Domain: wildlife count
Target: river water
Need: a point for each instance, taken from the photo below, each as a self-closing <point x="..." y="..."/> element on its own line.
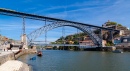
<point x="59" y="60"/>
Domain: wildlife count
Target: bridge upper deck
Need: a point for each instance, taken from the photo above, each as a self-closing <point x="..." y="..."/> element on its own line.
<point x="44" y="18"/>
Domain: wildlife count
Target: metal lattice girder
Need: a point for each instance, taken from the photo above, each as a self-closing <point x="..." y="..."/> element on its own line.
<point x="56" y="23"/>
<point x="86" y="29"/>
<point x="43" y="18"/>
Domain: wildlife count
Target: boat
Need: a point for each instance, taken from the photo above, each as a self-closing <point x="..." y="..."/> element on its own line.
<point x="117" y="51"/>
<point x="39" y="53"/>
<point x="33" y="58"/>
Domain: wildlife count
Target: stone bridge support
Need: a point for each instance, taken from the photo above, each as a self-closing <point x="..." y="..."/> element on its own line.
<point x="24" y="40"/>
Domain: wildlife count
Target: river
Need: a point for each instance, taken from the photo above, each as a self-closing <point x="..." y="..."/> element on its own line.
<point x="59" y="60"/>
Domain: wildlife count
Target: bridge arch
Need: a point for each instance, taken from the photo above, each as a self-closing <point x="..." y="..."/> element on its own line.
<point x="86" y="29"/>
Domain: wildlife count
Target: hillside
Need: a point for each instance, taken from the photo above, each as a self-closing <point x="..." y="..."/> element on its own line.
<point x="4" y="38"/>
<point x="70" y="39"/>
<point x="81" y="37"/>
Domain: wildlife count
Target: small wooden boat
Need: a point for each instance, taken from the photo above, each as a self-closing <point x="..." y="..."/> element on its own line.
<point x="33" y="58"/>
<point x="39" y="53"/>
<point x="118" y="51"/>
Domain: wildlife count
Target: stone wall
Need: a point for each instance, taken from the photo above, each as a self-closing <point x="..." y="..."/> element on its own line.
<point x="25" y="51"/>
<point x="14" y="65"/>
<point x="12" y="56"/>
<point x="107" y="49"/>
<point x="7" y="57"/>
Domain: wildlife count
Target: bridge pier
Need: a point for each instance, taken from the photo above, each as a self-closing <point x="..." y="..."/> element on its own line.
<point x="111" y="34"/>
<point x="24" y="40"/>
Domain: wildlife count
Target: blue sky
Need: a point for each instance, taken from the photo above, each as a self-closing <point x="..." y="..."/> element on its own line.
<point x="94" y="12"/>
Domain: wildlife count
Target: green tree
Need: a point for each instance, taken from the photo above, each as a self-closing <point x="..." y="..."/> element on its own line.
<point x="119" y="25"/>
<point x="109" y="43"/>
<point x="53" y="43"/>
<point x="111" y="23"/>
<point x="76" y="42"/>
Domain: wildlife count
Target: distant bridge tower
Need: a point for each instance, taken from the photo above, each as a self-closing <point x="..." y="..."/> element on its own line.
<point x="24" y="37"/>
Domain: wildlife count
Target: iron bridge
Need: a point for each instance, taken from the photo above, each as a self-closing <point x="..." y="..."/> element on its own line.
<point x="55" y="23"/>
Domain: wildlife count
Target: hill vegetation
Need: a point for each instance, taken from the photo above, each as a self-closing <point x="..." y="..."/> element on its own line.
<point x="5" y="39"/>
<point x="75" y="38"/>
<point x="70" y="39"/>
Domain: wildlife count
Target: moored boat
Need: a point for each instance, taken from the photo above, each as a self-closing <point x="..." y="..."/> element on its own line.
<point x="39" y="53"/>
<point x="33" y="58"/>
<point x="118" y="51"/>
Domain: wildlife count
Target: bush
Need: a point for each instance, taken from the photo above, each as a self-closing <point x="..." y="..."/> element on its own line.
<point x="109" y="43"/>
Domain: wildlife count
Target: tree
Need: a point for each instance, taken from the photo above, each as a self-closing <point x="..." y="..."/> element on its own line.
<point x="53" y="43"/>
<point x="109" y="43"/>
<point x="76" y="42"/>
<point x="111" y="23"/>
<point x="119" y="25"/>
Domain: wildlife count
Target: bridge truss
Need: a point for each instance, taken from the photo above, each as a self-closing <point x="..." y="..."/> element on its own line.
<point x="86" y="28"/>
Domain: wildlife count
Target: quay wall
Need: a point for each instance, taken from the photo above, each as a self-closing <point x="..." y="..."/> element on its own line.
<point x="107" y="49"/>
<point x="25" y="51"/>
<point x="7" y="57"/>
<point x="14" y="65"/>
<point x="13" y="56"/>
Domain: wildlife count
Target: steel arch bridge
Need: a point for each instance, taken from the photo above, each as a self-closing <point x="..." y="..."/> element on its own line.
<point x="55" y="23"/>
<point x="86" y="29"/>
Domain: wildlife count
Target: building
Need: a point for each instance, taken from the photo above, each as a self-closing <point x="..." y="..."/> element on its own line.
<point x="86" y="41"/>
<point x="124" y="42"/>
<point x="125" y="39"/>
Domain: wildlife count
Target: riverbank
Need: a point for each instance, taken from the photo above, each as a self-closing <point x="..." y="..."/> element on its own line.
<point x="7" y="59"/>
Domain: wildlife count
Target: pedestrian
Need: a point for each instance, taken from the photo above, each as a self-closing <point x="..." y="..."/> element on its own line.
<point x="11" y="46"/>
<point x="5" y="45"/>
<point x="21" y="46"/>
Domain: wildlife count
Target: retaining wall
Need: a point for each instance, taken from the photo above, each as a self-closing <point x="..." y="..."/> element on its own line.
<point x="13" y="56"/>
<point x="14" y="65"/>
<point x="7" y="57"/>
<point x="25" y="51"/>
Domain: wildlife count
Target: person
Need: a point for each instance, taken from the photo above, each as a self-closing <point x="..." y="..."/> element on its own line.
<point x="11" y="45"/>
<point x="31" y="47"/>
<point x="5" y="45"/>
<point x="21" y="46"/>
